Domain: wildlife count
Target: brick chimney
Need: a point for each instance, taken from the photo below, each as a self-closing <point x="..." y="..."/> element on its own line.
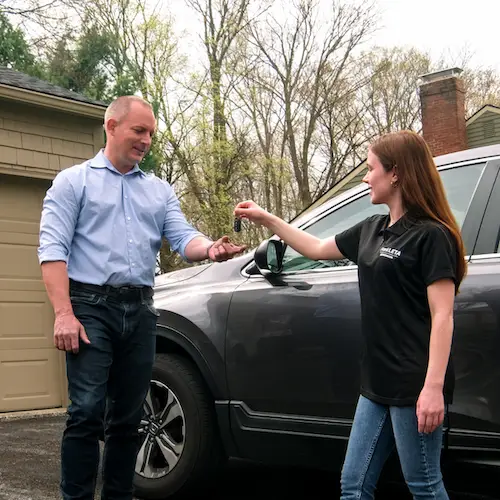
<point x="442" y="97"/>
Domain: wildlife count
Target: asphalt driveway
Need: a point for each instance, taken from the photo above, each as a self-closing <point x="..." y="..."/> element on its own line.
<point x="29" y="458"/>
<point x="29" y="470"/>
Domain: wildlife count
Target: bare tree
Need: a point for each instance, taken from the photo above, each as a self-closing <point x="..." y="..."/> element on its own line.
<point x="42" y="21"/>
<point x="225" y="150"/>
<point x="28" y="8"/>
<point x="262" y="108"/>
<point x="341" y="131"/>
<point x="482" y="86"/>
<point x="310" y="58"/>
<point x="390" y="98"/>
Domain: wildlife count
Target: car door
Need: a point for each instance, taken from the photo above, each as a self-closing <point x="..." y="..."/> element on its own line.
<point x="293" y="341"/>
<point x="474" y="416"/>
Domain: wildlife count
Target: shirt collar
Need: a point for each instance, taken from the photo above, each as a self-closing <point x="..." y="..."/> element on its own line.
<point x="101" y="161"/>
<point x="399" y="227"/>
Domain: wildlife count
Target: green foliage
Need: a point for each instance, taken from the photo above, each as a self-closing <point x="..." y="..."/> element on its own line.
<point x="152" y="161"/>
<point x="83" y="65"/>
<point x="15" y="52"/>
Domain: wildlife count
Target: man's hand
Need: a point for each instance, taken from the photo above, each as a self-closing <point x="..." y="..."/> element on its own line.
<point x="223" y="249"/>
<point x="67" y="333"/>
<point x="430" y="409"/>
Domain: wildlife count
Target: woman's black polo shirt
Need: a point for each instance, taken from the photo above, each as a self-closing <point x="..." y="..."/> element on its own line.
<point x="395" y="266"/>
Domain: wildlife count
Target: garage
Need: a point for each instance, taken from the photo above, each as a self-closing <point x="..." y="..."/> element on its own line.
<point x="43" y="129"/>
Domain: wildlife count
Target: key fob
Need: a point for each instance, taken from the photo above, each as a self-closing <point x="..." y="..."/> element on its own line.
<point x="237" y="225"/>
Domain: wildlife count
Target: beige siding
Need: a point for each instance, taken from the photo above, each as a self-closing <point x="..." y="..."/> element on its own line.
<point x="35" y="141"/>
<point x="355" y="181"/>
<point x="484" y="131"/>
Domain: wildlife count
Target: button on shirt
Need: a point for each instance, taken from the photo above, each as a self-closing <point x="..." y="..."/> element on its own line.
<point x="396" y="264"/>
<point x="108" y="226"/>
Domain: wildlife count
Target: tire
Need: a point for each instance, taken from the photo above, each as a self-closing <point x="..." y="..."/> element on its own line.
<point x="200" y="455"/>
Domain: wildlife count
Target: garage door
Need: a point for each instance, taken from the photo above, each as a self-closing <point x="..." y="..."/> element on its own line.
<point x="31" y="371"/>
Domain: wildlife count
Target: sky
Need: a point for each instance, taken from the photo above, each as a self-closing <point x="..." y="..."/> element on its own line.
<point x="442" y="27"/>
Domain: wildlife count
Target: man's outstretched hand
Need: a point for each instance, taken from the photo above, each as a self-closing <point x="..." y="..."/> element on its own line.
<point x="223" y="249"/>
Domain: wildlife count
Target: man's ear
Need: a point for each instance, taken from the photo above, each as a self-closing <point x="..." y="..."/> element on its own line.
<point x="110" y="126"/>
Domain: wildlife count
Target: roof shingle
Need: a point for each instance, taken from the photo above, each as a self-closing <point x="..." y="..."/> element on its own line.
<point x="17" y="79"/>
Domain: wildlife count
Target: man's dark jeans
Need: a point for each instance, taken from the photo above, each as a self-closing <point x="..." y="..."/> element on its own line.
<point x="108" y="381"/>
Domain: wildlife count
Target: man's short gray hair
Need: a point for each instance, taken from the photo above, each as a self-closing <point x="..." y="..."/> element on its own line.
<point x="121" y="106"/>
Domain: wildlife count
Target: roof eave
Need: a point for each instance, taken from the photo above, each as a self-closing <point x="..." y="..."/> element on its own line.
<point x="52" y="102"/>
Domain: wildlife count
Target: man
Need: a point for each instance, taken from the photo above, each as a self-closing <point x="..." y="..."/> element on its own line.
<point x="101" y="229"/>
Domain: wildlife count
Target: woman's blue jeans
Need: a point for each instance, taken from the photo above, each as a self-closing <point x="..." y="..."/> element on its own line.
<point x="376" y="430"/>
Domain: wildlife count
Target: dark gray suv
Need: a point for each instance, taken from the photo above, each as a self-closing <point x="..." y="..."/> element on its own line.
<point x="257" y="357"/>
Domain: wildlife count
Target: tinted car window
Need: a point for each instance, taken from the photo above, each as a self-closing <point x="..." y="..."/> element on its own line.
<point x="459" y="184"/>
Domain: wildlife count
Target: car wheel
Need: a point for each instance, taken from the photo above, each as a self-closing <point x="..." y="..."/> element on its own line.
<point x="180" y="444"/>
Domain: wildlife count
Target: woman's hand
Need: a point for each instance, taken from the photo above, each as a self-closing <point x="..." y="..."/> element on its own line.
<point x="251" y="211"/>
<point x="302" y="242"/>
<point x="430" y="409"/>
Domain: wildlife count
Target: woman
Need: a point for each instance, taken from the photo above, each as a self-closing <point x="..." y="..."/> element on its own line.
<point x="410" y="266"/>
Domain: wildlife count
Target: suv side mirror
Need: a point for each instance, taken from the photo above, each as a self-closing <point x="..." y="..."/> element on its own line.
<point x="269" y="257"/>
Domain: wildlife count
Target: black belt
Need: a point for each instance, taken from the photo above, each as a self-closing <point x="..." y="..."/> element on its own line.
<point x="122" y="292"/>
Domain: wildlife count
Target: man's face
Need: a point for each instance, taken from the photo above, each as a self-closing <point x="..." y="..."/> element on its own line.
<point x="130" y="136"/>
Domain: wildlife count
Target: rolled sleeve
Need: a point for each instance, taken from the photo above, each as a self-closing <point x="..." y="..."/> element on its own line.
<point x="176" y="229"/>
<point x="58" y="221"/>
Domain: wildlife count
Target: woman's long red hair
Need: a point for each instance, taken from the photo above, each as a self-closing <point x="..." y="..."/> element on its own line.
<point x="421" y="186"/>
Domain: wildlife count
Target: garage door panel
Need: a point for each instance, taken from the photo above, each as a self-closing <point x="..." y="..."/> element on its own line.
<point x="30" y="379"/>
<point x="21" y="285"/>
<point x="18" y="249"/>
<point x="26" y="320"/>
<point x="23" y="239"/>
<point x="21" y="199"/>
<point x="19" y="261"/>
<point x="16" y="226"/>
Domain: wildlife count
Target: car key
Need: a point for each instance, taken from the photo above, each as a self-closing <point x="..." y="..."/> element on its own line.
<point x="237" y="225"/>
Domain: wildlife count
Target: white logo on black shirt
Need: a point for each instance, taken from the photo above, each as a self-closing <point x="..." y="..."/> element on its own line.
<point x="390" y="253"/>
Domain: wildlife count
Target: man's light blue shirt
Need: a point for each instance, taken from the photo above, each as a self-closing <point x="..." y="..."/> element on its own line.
<point x="107" y="226"/>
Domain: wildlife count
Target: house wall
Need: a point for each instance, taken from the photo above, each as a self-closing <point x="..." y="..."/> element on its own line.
<point x="38" y="143"/>
<point x="35" y="144"/>
<point x="484" y="131"/>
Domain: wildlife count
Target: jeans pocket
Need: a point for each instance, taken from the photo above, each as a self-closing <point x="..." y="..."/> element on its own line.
<point x="150" y="306"/>
<point x="83" y="297"/>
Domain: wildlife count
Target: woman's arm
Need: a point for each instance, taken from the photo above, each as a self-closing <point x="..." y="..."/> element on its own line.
<point x="430" y="405"/>
<point x="304" y="243"/>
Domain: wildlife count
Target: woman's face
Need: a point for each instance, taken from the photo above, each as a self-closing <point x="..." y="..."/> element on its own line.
<point x="382" y="183"/>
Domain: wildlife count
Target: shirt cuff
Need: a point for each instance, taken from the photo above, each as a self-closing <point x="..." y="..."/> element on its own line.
<point x="52" y="256"/>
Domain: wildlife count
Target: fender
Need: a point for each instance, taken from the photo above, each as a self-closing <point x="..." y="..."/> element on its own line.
<point x="175" y="333"/>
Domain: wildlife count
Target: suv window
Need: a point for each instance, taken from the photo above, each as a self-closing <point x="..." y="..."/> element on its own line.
<point x="459" y="184"/>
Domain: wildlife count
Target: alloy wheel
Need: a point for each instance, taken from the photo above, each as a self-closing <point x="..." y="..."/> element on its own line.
<point x="162" y="432"/>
